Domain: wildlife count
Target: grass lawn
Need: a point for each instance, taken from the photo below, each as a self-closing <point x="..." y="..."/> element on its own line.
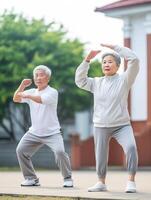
<point x="6" y="197"/>
<point x="13" y="169"/>
<point x="9" y="169"/>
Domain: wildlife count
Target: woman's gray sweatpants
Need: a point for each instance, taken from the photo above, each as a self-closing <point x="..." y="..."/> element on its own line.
<point x="124" y="136"/>
<point x="30" y="144"/>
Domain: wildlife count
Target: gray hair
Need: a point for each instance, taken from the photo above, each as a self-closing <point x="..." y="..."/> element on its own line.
<point x="44" y="68"/>
<point x="115" y="55"/>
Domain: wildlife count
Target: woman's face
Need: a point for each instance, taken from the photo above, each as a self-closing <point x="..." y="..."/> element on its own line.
<point x="109" y="66"/>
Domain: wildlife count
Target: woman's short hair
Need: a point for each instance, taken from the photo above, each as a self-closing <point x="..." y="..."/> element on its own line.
<point x="115" y="55"/>
<point x="44" y="68"/>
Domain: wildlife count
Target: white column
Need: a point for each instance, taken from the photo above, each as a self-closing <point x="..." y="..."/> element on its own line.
<point x="147" y="23"/>
<point x="127" y="28"/>
<point x="139" y="88"/>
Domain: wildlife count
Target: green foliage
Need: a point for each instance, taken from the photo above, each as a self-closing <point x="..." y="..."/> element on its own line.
<point x="25" y="44"/>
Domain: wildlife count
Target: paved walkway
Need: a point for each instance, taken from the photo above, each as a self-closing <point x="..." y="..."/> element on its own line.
<point x="51" y="185"/>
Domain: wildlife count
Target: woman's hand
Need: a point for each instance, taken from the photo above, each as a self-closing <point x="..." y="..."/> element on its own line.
<point x="91" y="55"/>
<point x="108" y="46"/>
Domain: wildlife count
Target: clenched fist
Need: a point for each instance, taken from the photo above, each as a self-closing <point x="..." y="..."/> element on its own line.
<point x="26" y="82"/>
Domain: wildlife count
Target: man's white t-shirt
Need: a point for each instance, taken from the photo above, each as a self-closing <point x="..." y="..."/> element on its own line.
<point x="44" y="119"/>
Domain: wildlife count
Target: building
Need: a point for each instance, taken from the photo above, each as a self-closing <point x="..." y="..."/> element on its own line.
<point x="136" y="15"/>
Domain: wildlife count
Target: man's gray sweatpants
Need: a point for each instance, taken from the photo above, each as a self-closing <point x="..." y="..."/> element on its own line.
<point x="124" y="136"/>
<point x="30" y="144"/>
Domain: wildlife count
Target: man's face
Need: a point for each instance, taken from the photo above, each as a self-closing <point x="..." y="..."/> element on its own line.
<point x="109" y="66"/>
<point x="41" y="79"/>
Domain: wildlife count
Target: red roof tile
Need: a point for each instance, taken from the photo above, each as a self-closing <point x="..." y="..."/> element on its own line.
<point x="122" y="4"/>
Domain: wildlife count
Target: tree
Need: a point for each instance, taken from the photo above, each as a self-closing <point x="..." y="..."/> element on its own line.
<point x="25" y="44"/>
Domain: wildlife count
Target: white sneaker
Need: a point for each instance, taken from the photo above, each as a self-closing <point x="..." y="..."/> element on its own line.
<point x="30" y="182"/>
<point x="130" y="187"/>
<point x="98" y="187"/>
<point x="68" y="183"/>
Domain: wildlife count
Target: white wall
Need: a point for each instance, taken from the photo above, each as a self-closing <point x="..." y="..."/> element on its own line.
<point x="82" y="124"/>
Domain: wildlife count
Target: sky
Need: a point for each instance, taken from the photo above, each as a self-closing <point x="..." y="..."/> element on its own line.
<point x="77" y="16"/>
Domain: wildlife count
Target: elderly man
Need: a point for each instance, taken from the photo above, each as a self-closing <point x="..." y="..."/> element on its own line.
<point x="45" y="127"/>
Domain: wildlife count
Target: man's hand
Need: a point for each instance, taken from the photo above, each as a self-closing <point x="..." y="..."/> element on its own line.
<point x="18" y="93"/>
<point x="26" y="82"/>
<point x="37" y="99"/>
<point x="91" y="55"/>
<point x="23" y="95"/>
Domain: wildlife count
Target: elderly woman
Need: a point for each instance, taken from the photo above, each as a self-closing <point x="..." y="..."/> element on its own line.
<point x="111" y="118"/>
<point x="45" y="127"/>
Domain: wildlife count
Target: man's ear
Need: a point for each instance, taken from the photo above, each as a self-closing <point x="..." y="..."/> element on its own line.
<point x="49" y="79"/>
